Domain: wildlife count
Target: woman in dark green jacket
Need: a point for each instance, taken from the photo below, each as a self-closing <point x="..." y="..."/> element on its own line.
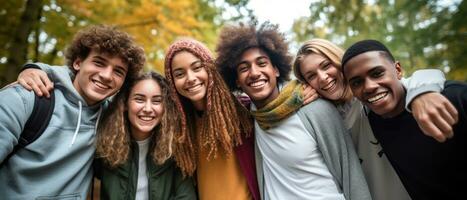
<point x="134" y="145"/>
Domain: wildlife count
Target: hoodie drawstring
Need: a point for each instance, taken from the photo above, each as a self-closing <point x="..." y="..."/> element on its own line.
<point x="98" y="119"/>
<point x="77" y="124"/>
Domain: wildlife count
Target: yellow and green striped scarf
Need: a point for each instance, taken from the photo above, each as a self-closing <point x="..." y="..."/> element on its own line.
<point x="288" y="101"/>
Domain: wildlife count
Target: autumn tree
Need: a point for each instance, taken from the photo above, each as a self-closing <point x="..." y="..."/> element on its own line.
<point x="421" y="34"/>
<point x="154" y="24"/>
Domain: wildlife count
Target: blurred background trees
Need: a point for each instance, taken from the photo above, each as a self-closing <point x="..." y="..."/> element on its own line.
<point x="422" y="33"/>
<point x="39" y="30"/>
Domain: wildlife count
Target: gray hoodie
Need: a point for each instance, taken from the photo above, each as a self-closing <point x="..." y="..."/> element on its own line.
<point x="58" y="165"/>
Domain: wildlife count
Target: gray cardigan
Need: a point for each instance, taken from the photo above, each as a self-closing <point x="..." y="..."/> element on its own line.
<point x="325" y="124"/>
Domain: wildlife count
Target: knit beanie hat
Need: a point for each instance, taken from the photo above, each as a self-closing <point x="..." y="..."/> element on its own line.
<point x="196" y="48"/>
<point x="362" y="47"/>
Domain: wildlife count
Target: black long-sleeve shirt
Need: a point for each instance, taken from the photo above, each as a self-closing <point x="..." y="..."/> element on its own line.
<point x="427" y="168"/>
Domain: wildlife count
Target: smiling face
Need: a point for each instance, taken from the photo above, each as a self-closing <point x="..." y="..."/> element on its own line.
<point x="145" y="108"/>
<point x="257" y="77"/>
<point x="375" y="80"/>
<point x="99" y="76"/>
<point x="190" y="78"/>
<point x="320" y="73"/>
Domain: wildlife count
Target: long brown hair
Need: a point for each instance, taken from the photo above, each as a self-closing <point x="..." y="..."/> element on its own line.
<point x="113" y="133"/>
<point x="329" y="51"/>
<point x="223" y="121"/>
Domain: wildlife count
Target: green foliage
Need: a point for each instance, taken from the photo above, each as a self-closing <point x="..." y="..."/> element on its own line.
<point x="421" y="34"/>
<point x="155" y="24"/>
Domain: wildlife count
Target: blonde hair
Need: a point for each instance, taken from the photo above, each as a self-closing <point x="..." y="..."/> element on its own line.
<point x="328" y="50"/>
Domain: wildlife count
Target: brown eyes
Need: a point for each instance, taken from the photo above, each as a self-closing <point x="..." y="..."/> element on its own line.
<point x="243" y="67"/>
<point x="179" y="73"/>
<point x="155" y="101"/>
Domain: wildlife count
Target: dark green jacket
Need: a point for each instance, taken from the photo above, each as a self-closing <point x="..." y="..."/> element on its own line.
<point x="164" y="181"/>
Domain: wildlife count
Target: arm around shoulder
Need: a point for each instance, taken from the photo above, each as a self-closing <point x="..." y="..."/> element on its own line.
<point x="423" y="81"/>
<point x="53" y="72"/>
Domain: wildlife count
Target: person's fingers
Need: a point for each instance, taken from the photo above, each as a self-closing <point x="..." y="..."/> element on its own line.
<point x="443" y="126"/>
<point x="448" y="120"/>
<point x="36" y="89"/>
<point x="311" y="98"/>
<point x="41" y="85"/>
<point x="48" y="84"/>
<point x="432" y="131"/>
<point x="23" y="83"/>
<point x="444" y="114"/>
<point x="452" y="111"/>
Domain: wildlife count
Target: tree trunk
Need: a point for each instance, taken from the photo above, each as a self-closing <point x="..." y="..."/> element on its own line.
<point x="37" y="41"/>
<point x="19" y="47"/>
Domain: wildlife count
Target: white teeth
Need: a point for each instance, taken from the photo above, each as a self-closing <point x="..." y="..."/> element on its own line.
<point x="257" y="83"/>
<point x="329" y="85"/>
<point x="194" y="88"/>
<point x="377" y="97"/>
<point x="145" y="118"/>
<point x="100" y="85"/>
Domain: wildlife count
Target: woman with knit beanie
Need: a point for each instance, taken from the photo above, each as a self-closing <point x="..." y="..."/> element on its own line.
<point x="318" y="63"/>
<point x="213" y="133"/>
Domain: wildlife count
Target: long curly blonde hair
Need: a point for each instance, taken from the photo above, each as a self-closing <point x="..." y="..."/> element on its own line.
<point x="113" y="132"/>
<point x="222" y="123"/>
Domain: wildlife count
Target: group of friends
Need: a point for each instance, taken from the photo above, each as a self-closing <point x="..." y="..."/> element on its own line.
<point x="234" y="126"/>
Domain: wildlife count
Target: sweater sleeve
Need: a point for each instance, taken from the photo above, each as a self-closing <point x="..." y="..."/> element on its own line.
<point x="423" y="81"/>
<point x="334" y="142"/>
<point x="15" y="107"/>
<point x="55" y="73"/>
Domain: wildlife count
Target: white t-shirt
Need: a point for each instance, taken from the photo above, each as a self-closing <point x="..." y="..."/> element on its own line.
<point x="293" y="166"/>
<point x="142" y="192"/>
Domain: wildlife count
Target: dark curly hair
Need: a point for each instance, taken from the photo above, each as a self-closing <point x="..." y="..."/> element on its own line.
<point x="109" y="40"/>
<point x="235" y="40"/>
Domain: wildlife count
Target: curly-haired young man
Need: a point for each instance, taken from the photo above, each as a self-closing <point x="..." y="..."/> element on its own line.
<point x="302" y="152"/>
<point x="101" y="59"/>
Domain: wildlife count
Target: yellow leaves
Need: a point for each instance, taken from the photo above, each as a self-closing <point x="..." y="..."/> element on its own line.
<point x="154" y="24"/>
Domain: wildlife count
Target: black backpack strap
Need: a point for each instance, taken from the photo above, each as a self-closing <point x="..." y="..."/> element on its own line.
<point x="37" y="122"/>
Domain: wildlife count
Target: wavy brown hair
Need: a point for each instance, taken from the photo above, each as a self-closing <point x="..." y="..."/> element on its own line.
<point x="222" y="123"/>
<point x="108" y="40"/>
<point x="234" y="40"/>
<point x="329" y="51"/>
<point x="113" y="133"/>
